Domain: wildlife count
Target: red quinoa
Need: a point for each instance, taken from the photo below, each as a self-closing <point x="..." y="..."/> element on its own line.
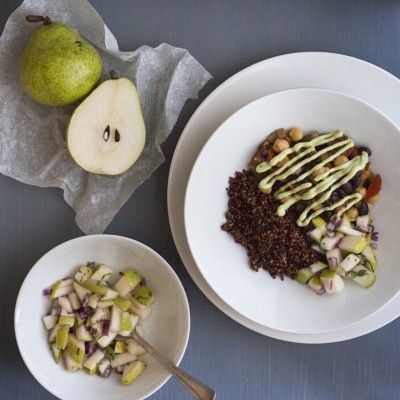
<point x="273" y="243"/>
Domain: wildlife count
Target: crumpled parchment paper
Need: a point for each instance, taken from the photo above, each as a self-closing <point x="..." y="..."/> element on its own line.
<point x="32" y="136"/>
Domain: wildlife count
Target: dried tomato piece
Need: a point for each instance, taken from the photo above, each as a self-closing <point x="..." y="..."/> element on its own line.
<point x="374" y="188"/>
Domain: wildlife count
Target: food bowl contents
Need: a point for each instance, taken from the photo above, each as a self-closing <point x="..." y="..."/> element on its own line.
<point x="319" y="190"/>
<point x="106" y="133"/>
<point x="58" y="67"/>
<point x="89" y="315"/>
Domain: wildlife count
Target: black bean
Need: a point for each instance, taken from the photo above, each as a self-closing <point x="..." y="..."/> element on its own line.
<point x="347" y="188"/>
<point x="366" y="149"/>
<point x="335" y="197"/>
<point x="341" y="193"/>
<point x="327" y="215"/>
<point x="356" y="181"/>
<point x="363" y="208"/>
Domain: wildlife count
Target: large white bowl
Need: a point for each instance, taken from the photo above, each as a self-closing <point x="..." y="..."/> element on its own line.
<point x="288" y="306"/>
<point x="167" y="328"/>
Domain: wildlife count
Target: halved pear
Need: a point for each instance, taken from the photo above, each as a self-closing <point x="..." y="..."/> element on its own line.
<point x="106" y="133"/>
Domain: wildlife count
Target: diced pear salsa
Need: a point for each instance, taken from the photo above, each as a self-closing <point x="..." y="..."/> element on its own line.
<point x="329" y="181"/>
<point x="90" y="321"/>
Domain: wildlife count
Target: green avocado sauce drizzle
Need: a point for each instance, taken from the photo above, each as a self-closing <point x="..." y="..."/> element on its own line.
<point x="325" y="183"/>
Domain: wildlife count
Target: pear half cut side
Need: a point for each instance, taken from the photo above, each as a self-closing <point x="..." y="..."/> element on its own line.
<point x="107" y="133"/>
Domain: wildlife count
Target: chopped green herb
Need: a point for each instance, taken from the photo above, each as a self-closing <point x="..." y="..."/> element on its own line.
<point x="110" y="354"/>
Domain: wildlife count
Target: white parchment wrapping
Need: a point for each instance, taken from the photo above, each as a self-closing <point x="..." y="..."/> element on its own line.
<point x="32" y="136"/>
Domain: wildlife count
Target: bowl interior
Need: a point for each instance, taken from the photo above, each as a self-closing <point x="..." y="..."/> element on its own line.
<point x="167" y="328"/>
<point x="288" y="306"/>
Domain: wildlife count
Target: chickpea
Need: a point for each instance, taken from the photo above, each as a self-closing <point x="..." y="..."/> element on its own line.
<point x="367" y="175"/>
<point x="362" y="190"/>
<point x="285" y="199"/>
<point x="374" y="199"/>
<point x="296" y="134"/>
<point x="317" y="207"/>
<point x="280" y="145"/>
<point x="352" y="213"/>
<point x="339" y="160"/>
<point x="265" y="190"/>
<point x="283" y="162"/>
<point x="311" y="136"/>
<point x="320" y="171"/>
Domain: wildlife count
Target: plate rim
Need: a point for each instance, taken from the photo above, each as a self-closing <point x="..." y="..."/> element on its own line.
<point x="385" y="78"/>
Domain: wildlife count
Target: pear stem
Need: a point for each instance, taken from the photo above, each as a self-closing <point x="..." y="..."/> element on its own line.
<point x="38" y="18"/>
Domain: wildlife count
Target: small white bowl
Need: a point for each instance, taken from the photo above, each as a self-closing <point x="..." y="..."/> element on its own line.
<point x="167" y="328"/>
<point x="289" y="306"/>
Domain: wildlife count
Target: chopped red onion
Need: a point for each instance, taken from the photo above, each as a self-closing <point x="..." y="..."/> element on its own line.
<point x="361" y="229"/>
<point x="330" y="234"/>
<point x="105" y="327"/>
<point x="47" y="291"/>
<point x="330" y="283"/>
<point x="83" y="312"/>
<point x="338" y="223"/>
<point x="334" y="262"/>
<point x="370" y="228"/>
<point x="55" y="311"/>
<point x="374" y="245"/>
<point x="107" y="372"/>
<point x="374" y="237"/>
<point x="318" y="249"/>
<point x="91" y="347"/>
<point x="91" y="264"/>
<point x="330" y="226"/>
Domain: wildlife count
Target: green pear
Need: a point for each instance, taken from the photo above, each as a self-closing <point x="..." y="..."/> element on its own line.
<point x="106" y="133"/>
<point x="58" y="66"/>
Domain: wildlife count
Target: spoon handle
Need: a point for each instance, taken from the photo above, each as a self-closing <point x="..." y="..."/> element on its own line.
<point x="197" y="389"/>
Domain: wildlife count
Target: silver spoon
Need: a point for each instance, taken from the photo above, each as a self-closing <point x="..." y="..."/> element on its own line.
<point x="197" y="389"/>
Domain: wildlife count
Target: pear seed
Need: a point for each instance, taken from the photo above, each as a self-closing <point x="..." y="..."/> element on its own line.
<point x="106" y="134"/>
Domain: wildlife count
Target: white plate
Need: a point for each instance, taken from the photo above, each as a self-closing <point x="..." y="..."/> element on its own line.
<point x="167" y="328"/>
<point x="323" y="70"/>
<point x="288" y="306"/>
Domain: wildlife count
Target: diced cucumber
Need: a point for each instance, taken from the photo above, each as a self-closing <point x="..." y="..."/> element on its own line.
<point x="334" y="258"/>
<point x="328" y="243"/>
<point x="122" y="359"/>
<point x="362" y="276"/>
<point x="144" y="295"/>
<point x="318" y="266"/>
<point x="102" y="273"/>
<point x="105" y="340"/>
<point x="50" y="321"/>
<point x="316" y="235"/>
<point x="304" y="275"/>
<point x="75" y="348"/>
<point x="346" y="230"/>
<point x="83" y="274"/>
<point x="369" y="255"/>
<point x="332" y="281"/>
<point x="94" y="359"/>
<point x="132" y="371"/>
<point x="350" y="262"/>
<point x="70" y="364"/>
<point x="127" y="282"/>
<point x="353" y="244"/>
<point x="315" y="284"/>
<point x="83" y="334"/>
<point x="62" y="337"/>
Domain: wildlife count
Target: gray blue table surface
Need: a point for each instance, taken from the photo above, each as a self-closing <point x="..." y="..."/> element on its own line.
<point x="225" y="36"/>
